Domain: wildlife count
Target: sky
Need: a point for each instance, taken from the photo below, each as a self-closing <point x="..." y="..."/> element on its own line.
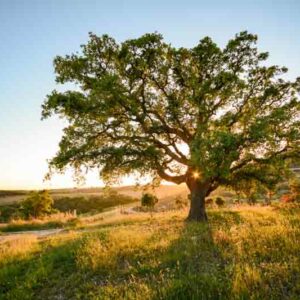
<point x="33" y="32"/>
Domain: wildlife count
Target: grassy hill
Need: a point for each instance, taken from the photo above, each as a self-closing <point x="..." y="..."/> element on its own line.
<point x="163" y="191"/>
<point x="91" y="200"/>
<point x="243" y="253"/>
<point x="95" y="200"/>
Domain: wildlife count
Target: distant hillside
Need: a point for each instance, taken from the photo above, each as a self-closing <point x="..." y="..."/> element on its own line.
<point x="4" y="193"/>
<point x="162" y="192"/>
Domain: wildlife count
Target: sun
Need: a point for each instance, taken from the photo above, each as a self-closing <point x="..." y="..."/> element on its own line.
<point x="196" y="174"/>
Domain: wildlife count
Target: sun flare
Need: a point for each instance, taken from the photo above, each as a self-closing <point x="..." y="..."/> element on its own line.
<point x="196" y="175"/>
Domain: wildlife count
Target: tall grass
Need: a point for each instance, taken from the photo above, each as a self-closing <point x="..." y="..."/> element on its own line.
<point x="58" y="220"/>
<point x="243" y="253"/>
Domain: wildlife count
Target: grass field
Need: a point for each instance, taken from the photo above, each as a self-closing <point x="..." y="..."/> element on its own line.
<point x="58" y="220"/>
<point x="163" y="191"/>
<point x="86" y="200"/>
<point x="243" y="253"/>
<point x="91" y="201"/>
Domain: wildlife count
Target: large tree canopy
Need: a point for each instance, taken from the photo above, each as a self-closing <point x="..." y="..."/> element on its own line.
<point x="205" y="116"/>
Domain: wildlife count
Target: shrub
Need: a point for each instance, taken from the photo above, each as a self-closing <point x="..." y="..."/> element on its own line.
<point x="8" y="212"/>
<point x="294" y="186"/>
<point x="37" y="204"/>
<point x="287" y="198"/>
<point x="219" y="201"/>
<point x="180" y="202"/>
<point x="237" y="201"/>
<point x="252" y="198"/>
<point x="209" y="201"/>
<point x="149" y="200"/>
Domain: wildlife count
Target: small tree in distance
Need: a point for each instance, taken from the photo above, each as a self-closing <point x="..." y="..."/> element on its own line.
<point x="205" y="116"/>
<point x="148" y="200"/>
<point x="37" y="204"/>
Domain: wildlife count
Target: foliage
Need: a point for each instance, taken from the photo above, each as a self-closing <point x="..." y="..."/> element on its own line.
<point x="37" y="204"/>
<point x="269" y="194"/>
<point x="143" y="92"/>
<point x="206" y="116"/>
<point x="294" y="195"/>
<point x="148" y="200"/>
<point x="209" y="201"/>
<point x="220" y="201"/>
<point x="82" y="204"/>
<point x="252" y="199"/>
<point x="287" y="198"/>
<point x="251" y="189"/>
<point x="92" y="203"/>
<point x="294" y="186"/>
<point x="181" y="202"/>
<point x="8" y="212"/>
<point x="247" y="253"/>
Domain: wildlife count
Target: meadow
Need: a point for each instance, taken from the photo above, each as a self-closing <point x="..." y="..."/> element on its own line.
<point x="244" y="252"/>
<point x="10" y="197"/>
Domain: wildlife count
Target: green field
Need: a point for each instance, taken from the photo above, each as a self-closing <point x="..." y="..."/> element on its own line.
<point x="243" y="253"/>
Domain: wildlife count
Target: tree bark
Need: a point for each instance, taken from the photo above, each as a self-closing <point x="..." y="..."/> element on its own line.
<point x="199" y="191"/>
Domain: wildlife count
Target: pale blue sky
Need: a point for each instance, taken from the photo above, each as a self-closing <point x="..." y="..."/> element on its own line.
<point x="32" y="32"/>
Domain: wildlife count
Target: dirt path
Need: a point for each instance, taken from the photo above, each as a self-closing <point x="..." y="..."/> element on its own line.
<point x="8" y="236"/>
<point x="38" y="233"/>
<point x="124" y="209"/>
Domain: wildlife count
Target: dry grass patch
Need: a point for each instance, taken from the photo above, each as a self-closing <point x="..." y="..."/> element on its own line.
<point x="243" y="253"/>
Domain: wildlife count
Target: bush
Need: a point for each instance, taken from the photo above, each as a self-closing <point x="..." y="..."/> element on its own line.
<point x="209" y="201"/>
<point x="252" y="198"/>
<point x="287" y="198"/>
<point x="180" y="202"/>
<point x="219" y="201"/>
<point x="149" y="200"/>
<point x="8" y="212"/>
<point x="37" y="204"/>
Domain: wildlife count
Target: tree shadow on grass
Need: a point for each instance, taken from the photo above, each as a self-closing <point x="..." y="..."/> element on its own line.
<point x="198" y="267"/>
<point x="198" y="262"/>
<point x="40" y="274"/>
<point x="192" y="266"/>
<point x="224" y="218"/>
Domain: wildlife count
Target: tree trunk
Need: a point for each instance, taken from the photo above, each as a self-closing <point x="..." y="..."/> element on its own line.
<point x="197" y="209"/>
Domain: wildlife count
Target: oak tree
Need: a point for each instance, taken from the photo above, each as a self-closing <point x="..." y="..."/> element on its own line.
<point x="205" y="116"/>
